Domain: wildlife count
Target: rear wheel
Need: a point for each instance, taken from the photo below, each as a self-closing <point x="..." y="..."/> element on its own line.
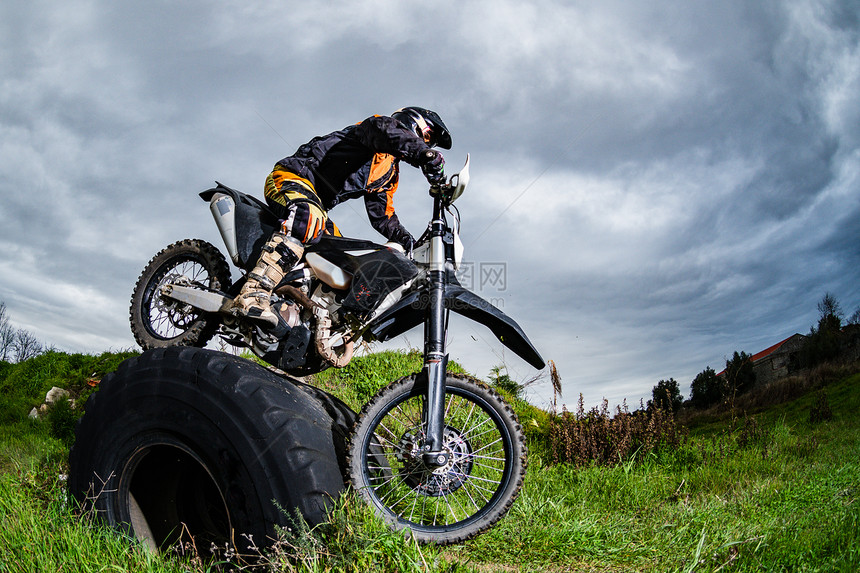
<point x="486" y="460"/>
<point x="157" y="321"/>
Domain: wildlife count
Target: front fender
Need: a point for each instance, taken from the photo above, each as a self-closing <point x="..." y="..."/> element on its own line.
<point x="408" y="313"/>
<point x="509" y="333"/>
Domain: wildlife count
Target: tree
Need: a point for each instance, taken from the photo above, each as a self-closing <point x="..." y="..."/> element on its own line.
<point x="16" y="345"/>
<point x="740" y="376"/>
<point x="7" y="335"/>
<point x="830" y="314"/>
<point x="824" y="340"/>
<point x="666" y="395"/>
<point x="26" y="346"/>
<point x="855" y="318"/>
<point x="706" y="389"/>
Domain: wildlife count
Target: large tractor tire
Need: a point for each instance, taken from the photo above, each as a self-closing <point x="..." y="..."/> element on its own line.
<point x="188" y="444"/>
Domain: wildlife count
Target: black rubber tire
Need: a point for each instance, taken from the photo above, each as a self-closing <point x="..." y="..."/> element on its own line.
<point x="385" y="474"/>
<point x="159" y="323"/>
<point x="205" y="445"/>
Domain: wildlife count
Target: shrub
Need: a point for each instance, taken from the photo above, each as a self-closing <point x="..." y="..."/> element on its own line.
<point x="584" y="437"/>
<point x="33" y="377"/>
<point x="500" y="380"/>
<point x="62" y="418"/>
<point x="820" y="410"/>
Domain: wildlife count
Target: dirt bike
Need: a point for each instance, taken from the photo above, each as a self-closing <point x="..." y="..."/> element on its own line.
<point x="437" y="453"/>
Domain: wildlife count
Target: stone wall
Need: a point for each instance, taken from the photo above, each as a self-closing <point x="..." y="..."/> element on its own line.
<point x="780" y="363"/>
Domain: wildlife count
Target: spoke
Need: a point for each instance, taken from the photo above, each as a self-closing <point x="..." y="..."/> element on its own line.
<point x="390" y="493"/>
<point x="410" y="419"/>
<point x="376" y="477"/>
<point x="485" y="493"/>
<point x="451" y="402"/>
<point x="163" y="323"/>
<point x="466" y="513"/>
<point x="412" y="510"/>
<point x="385" y="480"/>
<point x="447" y="504"/>
<point x="380" y="437"/>
<point x="495" y="459"/>
<point x="465" y="489"/>
<point x="494" y="469"/>
<point x="479" y="487"/>
<point x="468" y="431"/>
<point x="470" y="478"/>
<point x="482" y="500"/>
<point x="436" y="505"/>
<point x="469" y="417"/>
<point x="423" y="507"/>
<point x="404" y="496"/>
<point x="482" y="448"/>
<point x="476" y="437"/>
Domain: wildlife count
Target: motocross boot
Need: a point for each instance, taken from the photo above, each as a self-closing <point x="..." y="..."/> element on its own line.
<point x="279" y="255"/>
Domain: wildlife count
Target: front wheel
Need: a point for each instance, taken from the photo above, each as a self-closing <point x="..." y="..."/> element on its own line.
<point x="157" y="321"/>
<point x="486" y="454"/>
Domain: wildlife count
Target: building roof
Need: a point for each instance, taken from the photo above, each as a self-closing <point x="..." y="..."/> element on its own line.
<point x="767" y="351"/>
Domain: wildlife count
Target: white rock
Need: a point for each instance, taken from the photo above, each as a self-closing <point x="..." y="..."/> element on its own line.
<point x="55" y="394"/>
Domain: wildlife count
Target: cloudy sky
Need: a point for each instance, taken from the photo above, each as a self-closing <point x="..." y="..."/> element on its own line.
<point x="664" y="182"/>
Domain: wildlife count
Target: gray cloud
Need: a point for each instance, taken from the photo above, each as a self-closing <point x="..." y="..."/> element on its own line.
<point x="666" y="182"/>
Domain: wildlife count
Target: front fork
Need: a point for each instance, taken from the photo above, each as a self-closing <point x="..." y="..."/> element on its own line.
<point x="435" y="358"/>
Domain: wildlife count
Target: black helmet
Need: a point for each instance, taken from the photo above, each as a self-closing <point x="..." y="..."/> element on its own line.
<point x="425" y="124"/>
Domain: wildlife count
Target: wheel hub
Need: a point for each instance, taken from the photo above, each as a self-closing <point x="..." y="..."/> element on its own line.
<point x="435" y="480"/>
<point x="178" y="313"/>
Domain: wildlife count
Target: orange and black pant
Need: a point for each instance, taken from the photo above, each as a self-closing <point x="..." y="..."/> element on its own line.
<point x="295" y="202"/>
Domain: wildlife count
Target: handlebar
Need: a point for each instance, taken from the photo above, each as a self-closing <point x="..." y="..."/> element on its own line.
<point x="454" y="187"/>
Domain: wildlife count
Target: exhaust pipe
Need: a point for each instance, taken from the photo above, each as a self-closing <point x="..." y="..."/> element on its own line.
<point x="224" y="211"/>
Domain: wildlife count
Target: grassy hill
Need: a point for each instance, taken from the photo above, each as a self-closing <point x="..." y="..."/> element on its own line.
<point x="775" y="489"/>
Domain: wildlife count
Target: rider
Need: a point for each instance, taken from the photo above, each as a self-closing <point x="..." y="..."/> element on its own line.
<point x="361" y="160"/>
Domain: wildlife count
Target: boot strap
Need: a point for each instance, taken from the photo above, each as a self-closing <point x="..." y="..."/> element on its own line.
<point x="262" y="280"/>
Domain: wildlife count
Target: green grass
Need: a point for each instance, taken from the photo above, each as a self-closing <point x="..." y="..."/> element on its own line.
<point x="785" y="501"/>
<point x="366" y="375"/>
<point x="39" y="532"/>
<point x="771" y="492"/>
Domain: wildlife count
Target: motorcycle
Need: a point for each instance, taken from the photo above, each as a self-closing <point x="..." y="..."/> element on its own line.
<point x="440" y="454"/>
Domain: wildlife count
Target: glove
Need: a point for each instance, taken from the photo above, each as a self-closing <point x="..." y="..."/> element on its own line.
<point x="405" y="238"/>
<point x="433" y="166"/>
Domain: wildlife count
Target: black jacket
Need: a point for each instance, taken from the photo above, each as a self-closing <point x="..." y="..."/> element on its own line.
<point x="360" y="160"/>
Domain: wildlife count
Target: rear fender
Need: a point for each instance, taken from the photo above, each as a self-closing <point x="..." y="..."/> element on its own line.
<point x="254" y="223"/>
